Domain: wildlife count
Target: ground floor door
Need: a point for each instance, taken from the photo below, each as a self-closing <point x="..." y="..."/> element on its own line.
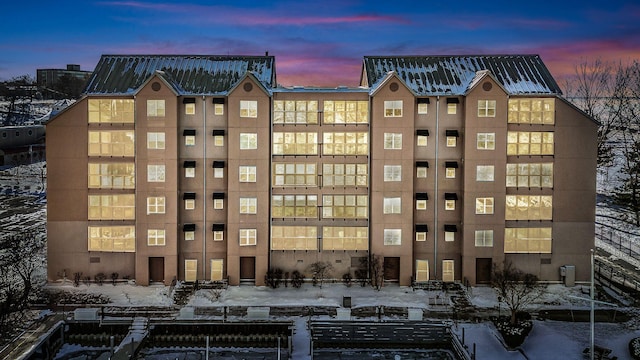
<point x="391" y="268"/>
<point x="156" y="269"/>
<point x="483" y="270"/>
<point x="422" y="270"/>
<point x="247" y="269"/>
<point x="447" y="271"/>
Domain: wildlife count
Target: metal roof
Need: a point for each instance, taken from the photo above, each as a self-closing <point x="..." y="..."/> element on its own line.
<point x="452" y="75"/>
<point x="188" y="74"/>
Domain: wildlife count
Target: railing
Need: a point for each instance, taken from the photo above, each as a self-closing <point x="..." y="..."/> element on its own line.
<point x="625" y="242"/>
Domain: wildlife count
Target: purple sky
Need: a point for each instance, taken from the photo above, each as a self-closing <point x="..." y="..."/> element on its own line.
<point x="318" y="43"/>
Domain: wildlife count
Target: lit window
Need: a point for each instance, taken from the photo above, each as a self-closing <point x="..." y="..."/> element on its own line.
<point x="393" y="108"/>
<point x="529" y="207"/>
<point x="189" y="201"/>
<point x="484" y="238"/>
<point x="156" y="237"/>
<point x="346" y="112"/>
<point x="484" y="205"/>
<point x="345" y="238"/>
<point x="421" y="201"/>
<point x="295" y="143"/>
<point x="423" y="105"/>
<point x="392" y="236"/>
<point x="156" y="205"/>
<point x="421" y="169"/>
<point x="344" y="174"/>
<point x="190" y="270"/>
<point x="485" y="172"/>
<point x="247" y="173"/>
<point x="155" y="173"/>
<point x="218" y="106"/>
<point x="218" y="137"/>
<point x="486" y="141"/>
<point x="532" y="111"/>
<point x="111" y="176"/>
<point x="345" y="143"/>
<point x="218" y="232"/>
<point x="218" y="169"/>
<point x="218" y="201"/>
<point x="112" y="238"/>
<point x="111" y="111"/>
<point x="190" y="109"/>
<point x="248" y="108"/>
<point x="393" y="173"/>
<point x="448" y="270"/>
<point x="449" y="236"/>
<point x="452" y="137"/>
<point x="189" y="137"/>
<point x="248" y="237"/>
<point x="217" y="269"/>
<point x="294" y="238"/>
<point x="190" y="169"/>
<point x="392" y="205"/>
<point x="248" y="141"/>
<point x="450" y="201"/>
<point x="294" y="206"/>
<point x="112" y="143"/>
<point x="392" y="141"/>
<point x="530" y="175"/>
<point x="452" y="108"/>
<point x="450" y="169"/>
<point x="189" y="232"/>
<point x="421" y="232"/>
<point x="112" y="207"/>
<point x="295" y="112"/>
<point x="529" y="143"/>
<point x="155" y="108"/>
<point x="155" y="140"/>
<point x="248" y="205"/>
<point x="294" y="174"/>
<point x="422" y="137"/>
<point x="345" y="206"/>
<point x="422" y="270"/>
<point x="527" y="240"/>
<point x="486" y="108"/>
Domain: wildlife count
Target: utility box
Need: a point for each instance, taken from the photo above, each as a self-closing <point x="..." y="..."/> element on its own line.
<point x="568" y="275"/>
<point x="346" y="301"/>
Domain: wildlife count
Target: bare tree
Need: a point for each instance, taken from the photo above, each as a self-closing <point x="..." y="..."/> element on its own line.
<point x="377" y="271"/>
<point x="321" y="270"/>
<point x="515" y="288"/>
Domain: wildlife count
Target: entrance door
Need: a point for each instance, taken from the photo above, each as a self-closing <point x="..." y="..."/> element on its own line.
<point x="483" y="271"/>
<point x="392" y="269"/>
<point x="156" y="269"/>
<point x="247" y="269"/>
<point x="447" y="271"/>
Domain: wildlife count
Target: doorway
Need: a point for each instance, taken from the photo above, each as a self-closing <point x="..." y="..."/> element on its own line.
<point x="483" y="270"/>
<point x="247" y="270"/>
<point x="156" y="269"/>
<point x="392" y="269"/>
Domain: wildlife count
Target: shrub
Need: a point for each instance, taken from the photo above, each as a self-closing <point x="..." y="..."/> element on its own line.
<point x="273" y="277"/>
<point x="347" y="279"/>
<point x="100" y="278"/>
<point x="514" y="334"/>
<point x="297" y="279"/>
<point x="634" y="348"/>
<point x="114" y="277"/>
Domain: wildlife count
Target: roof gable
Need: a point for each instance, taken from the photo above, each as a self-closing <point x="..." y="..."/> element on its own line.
<point x="188" y="74"/>
<point x="452" y="75"/>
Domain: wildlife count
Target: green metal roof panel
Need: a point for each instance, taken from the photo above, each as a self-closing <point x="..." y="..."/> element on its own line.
<point x="452" y="75"/>
<point x="188" y="74"/>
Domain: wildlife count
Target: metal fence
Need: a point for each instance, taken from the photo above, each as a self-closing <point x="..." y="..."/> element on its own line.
<point x="625" y="242"/>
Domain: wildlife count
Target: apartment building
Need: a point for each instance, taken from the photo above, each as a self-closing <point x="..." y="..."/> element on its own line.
<point x="202" y="168"/>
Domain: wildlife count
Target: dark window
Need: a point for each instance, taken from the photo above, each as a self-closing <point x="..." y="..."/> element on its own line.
<point x="189" y="132"/>
<point x="421" y="228"/>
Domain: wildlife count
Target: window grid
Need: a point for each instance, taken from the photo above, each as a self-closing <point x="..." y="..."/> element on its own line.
<point x="346" y="112"/>
<point x="155" y="108"/>
<point x="345" y="143"/>
<point x="393" y="173"/>
<point x="111" y="143"/>
<point x="392" y="237"/>
<point x="156" y="205"/>
<point x="217" y="269"/>
<point x="155" y="140"/>
<point x="294" y="206"/>
<point x="190" y="109"/>
<point x="112" y="207"/>
<point x="248" y="141"/>
<point x="528" y="240"/>
<point x="248" y="108"/>
<point x="530" y="175"/>
<point x="345" y="238"/>
<point x="392" y="205"/>
<point x="485" y="172"/>
<point x="156" y="237"/>
<point x="111" y="176"/>
<point x="392" y="141"/>
<point x="248" y="205"/>
<point x="530" y="143"/>
<point x="294" y="174"/>
<point x="345" y="206"/>
<point x="528" y="207"/>
<point x="247" y="173"/>
<point x="112" y="238"/>
<point x="486" y="141"/>
<point x="393" y="108"/>
<point x="295" y="112"/>
<point x="248" y="237"/>
<point x="111" y="111"/>
<point x="532" y="111"/>
<point x="155" y="173"/>
<point x="486" y="108"/>
<point x="294" y="238"/>
<point x="295" y="143"/>
<point x="484" y="205"/>
<point x="344" y="174"/>
<point x="484" y="238"/>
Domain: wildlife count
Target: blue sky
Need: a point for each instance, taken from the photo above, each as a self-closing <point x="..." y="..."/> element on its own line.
<point x="315" y="42"/>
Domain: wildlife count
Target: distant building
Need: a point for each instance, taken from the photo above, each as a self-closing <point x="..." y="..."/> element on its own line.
<point x="21" y="145"/>
<point x="202" y="168"/>
<point x="49" y="77"/>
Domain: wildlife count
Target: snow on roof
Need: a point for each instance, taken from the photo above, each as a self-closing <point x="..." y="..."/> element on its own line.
<point x="188" y="74"/>
<point x="452" y="75"/>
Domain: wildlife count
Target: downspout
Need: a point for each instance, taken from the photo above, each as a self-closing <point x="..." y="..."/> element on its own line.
<point x="435" y="195"/>
<point x="204" y="188"/>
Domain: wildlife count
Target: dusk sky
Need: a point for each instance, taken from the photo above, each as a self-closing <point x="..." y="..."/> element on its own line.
<point x="319" y="43"/>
